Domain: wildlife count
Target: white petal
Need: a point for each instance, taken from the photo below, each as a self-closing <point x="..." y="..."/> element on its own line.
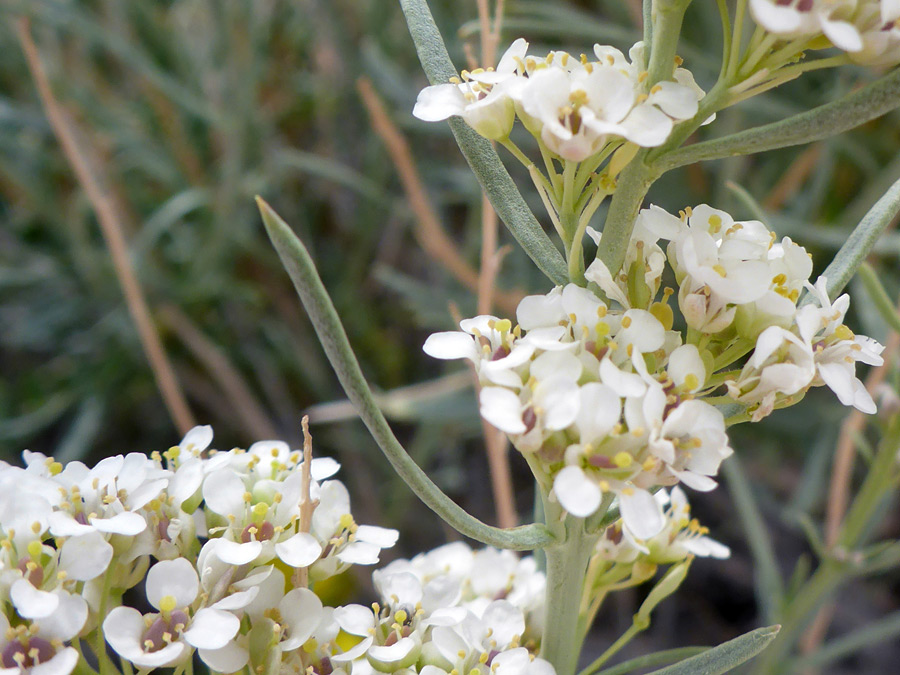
<point x="127" y="523"/>
<point x="64" y="525"/>
<point x="359" y="553"/>
<point x="598" y="412"/>
<point x="438" y="102"/>
<point x="501" y="408"/>
<point x="647" y="126"/>
<point x="536" y="311"/>
<point x="505" y="621"/>
<point x="576" y="493"/>
<point x="197" y="439"/>
<point x="624" y="384"/>
<point x="844" y="35"/>
<point x="62" y="663"/>
<point x="641" y="513"/>
<point x="85" y="557"/>
<point x="238" y="554"/>
<point x="68" y="620"/>
<point x="212" y="628"/>
<point x="301" y="611"/>
<point x="229" y="659"/>
<point x="301" y="550"/>
<point x="382" y="537"/>
<point x="450" y="345"/>
<point x="31" y="603"/>
<point x="323" y="467"/>
<point x="223" y="491"/>
<point x="355" y="619"/>
<point x="707" y="548"/>
<point x="172" y="577"/>
<point x="684" y="361"/>
<point x="558" y="398"/>
<point x="675" y="100"/>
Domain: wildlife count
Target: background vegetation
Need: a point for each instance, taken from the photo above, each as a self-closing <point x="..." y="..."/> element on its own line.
<point x="183" y="110"/>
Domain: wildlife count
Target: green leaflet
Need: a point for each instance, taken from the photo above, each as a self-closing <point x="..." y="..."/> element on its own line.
<point x="320" y="309"/>
<point x="480" y="154"/>
<point x="854" y="109"/>
<point x="858" y="245"/>
<point x="726" y="656"/>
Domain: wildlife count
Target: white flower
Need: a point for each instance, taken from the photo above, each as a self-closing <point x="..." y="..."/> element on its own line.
<point x="797" y="18"/>
<point x="38" y="649"/>
<point x="483" y="99"/>
<point x="166" y="638"/>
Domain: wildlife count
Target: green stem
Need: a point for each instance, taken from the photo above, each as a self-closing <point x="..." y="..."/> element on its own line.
<point x="666" y="32"/>
<point x="879" y="296"/>
<point x="576" y="258"/>
<point x="754" y="57"/>
<point x="327" y="323"/>
<point x="631" y="188"/>
<point x="737" y="39"/>
<point x="732" y="353"/>
<point x="726" y="35"/>
<point x="567" y="563"/>
<point x="611" y="651"/>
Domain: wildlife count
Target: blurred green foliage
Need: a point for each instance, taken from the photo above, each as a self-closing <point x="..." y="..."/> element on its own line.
<point x="192" y="107"/>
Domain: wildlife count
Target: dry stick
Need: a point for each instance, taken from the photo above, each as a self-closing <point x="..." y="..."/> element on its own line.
<point x="793" y="178"/>
<point x="839" y="489"/>
<point x="494" y="440"/>
<point x="636" y="11"/>
<point x="307" y="505"/>
<point x="112" y="234"/>
<point x="428" y="231"/>
<point x="242" y="401"/>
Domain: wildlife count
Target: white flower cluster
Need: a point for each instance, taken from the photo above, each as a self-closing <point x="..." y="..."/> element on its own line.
<point x="605" y="397"/>
<point x="681" y="536"/>
<point x="574" y="106"/>
<point x="868" y="30"/>
<point x="450" y="610"/>
<point x="74" y="539"/>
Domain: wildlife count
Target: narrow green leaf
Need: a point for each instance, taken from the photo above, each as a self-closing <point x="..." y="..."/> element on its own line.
<point x="726" y="656"/>
<point x="770" y="585"/>
<point x="480" y="154"/>
<point x="879" y="296"/>
<point x="325" y="320"/>
<point x="652" y="660"/>
<point x="858" y="245"/>
<point x="884" y="629"/>
<point x="852" y="110"/>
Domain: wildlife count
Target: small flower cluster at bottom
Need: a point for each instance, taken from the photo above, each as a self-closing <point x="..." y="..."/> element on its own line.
<point x="233" y="548"/>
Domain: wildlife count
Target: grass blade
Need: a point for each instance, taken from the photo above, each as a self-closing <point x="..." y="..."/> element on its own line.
<point x="302" y="270"/>
<point x="726" y="656"/>
<point x="480" y="154"/>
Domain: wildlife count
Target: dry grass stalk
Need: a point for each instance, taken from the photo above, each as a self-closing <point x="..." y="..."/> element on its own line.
<point x="794" y="177"/>
<point x="428" y="231"/>
<point x="839" y="488"/>
<point x="241" y="399"/>
<point x="111" y="227"/>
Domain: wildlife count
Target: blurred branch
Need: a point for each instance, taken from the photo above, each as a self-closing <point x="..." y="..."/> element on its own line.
<point x="429" y="232"/>
<point x="495" y="441"/>
<point x="793" y="178"/>
<point x="65" y="132"/>
<point x="244" y="404"/>
<point x="839" y="489"/>
<point x="830" y="119"/>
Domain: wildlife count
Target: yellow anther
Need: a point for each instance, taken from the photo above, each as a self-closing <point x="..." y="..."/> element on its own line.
<point x="691" y="381"/>
<point x="655" y="89"/>
<point x="626" y="321"/>
<point x="779" y="279"/>
<point x="715" y="223"/>
<point x="623" y="460"/>
<point x="721" y="271"/>
<point x="347" y="522"/>
<point x="678" y="60"/>
<point x="643" y="76"/>
<point x="248" y="497"/>
<point x="637" y="432"/>
<point x="503" y="326"/>
<point x="649" y="464"/>
<point x="400" y="616"/>
<point x="641" y="98"/>
<point x="628" y="492"/>
<point x="843" y="333"/>
<point x="55" y="468"/>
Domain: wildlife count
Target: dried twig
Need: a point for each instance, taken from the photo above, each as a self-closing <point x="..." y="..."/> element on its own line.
<point x="839" y="488"/>
<point x="242" y="401"/>
<point x="794" y="177"/>
<point x="636" y="11"/>
<point x="307" y="505"/>
<point x="64" y="130"/>
<point x="428" y="231"/>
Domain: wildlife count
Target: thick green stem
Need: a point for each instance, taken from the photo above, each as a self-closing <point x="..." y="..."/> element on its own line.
<point x="631" y="188"/>
<point x="567" y="564"/>
<point x="667" y="19"/>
